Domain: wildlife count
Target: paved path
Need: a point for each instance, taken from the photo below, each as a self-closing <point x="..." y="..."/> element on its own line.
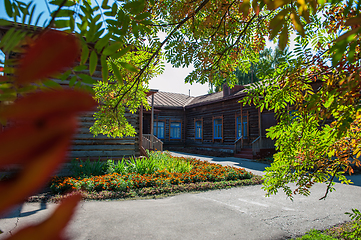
<point x="237" y="213"/>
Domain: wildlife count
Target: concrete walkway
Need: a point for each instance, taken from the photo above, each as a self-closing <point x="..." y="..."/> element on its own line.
<point x="237" y="213"/>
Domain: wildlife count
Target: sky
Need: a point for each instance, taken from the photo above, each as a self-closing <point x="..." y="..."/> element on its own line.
<point x="172" y="80"/>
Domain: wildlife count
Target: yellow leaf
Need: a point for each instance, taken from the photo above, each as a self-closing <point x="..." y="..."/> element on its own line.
<point x="283" y="40"/>
<point x="297" y="25"/>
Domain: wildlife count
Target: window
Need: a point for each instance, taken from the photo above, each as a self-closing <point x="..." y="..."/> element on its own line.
<point x="239" y="128"/>
<point x="175" y="130"/>
<point x="198" y="129"/>
<point x="242" y="127"/>
<point x="159" y="129"/>
<point x="245" y="126"/>
<point x="217" y="128"/>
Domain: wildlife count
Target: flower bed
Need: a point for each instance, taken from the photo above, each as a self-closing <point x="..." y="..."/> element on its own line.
<point x="201" y="175"/>
<point x="201" y="172"/>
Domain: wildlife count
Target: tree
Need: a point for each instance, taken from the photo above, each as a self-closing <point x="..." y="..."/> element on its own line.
<point x="319" y="140"/>
<point x="215" y="36"/>
<point x="249" y="72"/>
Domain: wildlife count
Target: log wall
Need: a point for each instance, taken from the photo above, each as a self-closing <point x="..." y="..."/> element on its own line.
<point x="228" y="110"/>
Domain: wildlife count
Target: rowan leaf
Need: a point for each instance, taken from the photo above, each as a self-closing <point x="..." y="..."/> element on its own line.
<point x="48" y="103"/>
<point x="297" y="23"/>
<point x="121" y="52"/>
<point x="93" y="62"/>
<point x="105" y="72"/>
<point x="283" y="39"/>
<point x="112" y="48"/>
<point x="8" y="8"/>
<point x="277" y="22"/>
<point x="40" y="139"/>
<point x="43" y="60"/>
<point x="129" y="67"/>
<point x="244" y="7"/>
<point x="43" y="161"/>
<point x="117" y="73"/>
<point x="272" y="5"/>
<point x="87" y="79"/>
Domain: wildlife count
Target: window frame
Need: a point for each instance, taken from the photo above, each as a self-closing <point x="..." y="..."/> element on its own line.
<point x="170" y="129"/>
<point x="195" y="129"/>
<point x="155" y="132"/>
<point x="214" y="128"/>
<point x="237" y="125"/>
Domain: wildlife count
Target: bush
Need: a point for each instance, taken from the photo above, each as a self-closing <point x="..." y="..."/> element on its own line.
<point x="315" y="234"/>
<point x="355" y="232"/>
<point x="159" y="170"/>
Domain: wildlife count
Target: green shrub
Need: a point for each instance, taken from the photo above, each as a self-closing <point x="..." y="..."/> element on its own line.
<point x="87" y="168"/>
<point x="315" y="234"/>
<point x="355" y="232"/>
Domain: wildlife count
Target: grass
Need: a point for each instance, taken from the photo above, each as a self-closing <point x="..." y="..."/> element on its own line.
<point x="159" y="175"/>
<point x="343" y="231"/>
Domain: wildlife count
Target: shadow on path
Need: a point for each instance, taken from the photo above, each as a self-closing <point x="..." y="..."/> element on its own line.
<point x="253" y="166"/>
<point x="16" y="212"/>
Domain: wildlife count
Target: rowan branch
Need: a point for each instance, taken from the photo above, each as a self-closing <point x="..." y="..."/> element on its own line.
<point x="156" y="53"/>
<point x="55" y="14"/>
<point x="331" y="181"/>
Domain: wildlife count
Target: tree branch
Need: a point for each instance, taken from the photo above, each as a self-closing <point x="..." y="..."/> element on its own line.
<point x="156" y="53"/>
<point x="55" y="14"/>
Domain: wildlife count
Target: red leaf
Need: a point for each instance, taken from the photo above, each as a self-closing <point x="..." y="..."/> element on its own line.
<point x="51" y="53"/>
<point x="39" y="139"/>
<point x="50" y="103"/>
<point x="20" y="144"/>
<point x="3" y="78"/>
<point x="52" y="227"/>
<point x="35" y="172"/>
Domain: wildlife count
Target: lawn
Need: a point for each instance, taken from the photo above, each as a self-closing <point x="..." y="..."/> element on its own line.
<point x="158" y="175"/>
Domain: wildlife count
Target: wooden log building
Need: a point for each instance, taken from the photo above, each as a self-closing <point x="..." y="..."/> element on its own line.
<point x="214" y="122"/>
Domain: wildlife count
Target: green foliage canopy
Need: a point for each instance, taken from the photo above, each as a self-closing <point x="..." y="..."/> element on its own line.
<point x="216" y="36"/>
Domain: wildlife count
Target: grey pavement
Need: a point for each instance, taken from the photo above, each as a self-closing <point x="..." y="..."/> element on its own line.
<point x="236" y="213"/>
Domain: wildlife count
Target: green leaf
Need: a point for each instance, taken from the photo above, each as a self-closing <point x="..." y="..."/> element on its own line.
<point x="72" y="81"/>
<point x="4" y="22"/>
<point x="329" y="101"/>
<point x="87" y="79"/>
<point x="38" y="19"/>
<point x="51" y="84"/>
<point x="134" y="7"/>
<point x="65" y="75"/>
<point x="283" y="40"/>
<point x="80" y="68"/>
<point x="272" y="5"/>
<point x="121" y="52"/>
<point x="105" y="4"/>
<point x="117" y="73"/>
<point x="105" y="72"/>
<point x="63" y="13"/>
<point x="62" y="23"/>
<point x="84" y="54"/>
<point x="59" y="2"/>
<point x="9" y="8"/>
<point x="102" y="42"/>
<point x="93" y="62"/>
<point x="112" y="48"/>
<point x="142" y="16"/>
<point x="129" y="67"/>
<point x="277" y="22"/>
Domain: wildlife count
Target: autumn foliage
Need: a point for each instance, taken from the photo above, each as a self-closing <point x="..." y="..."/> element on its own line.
<point x="42" y="125"/>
